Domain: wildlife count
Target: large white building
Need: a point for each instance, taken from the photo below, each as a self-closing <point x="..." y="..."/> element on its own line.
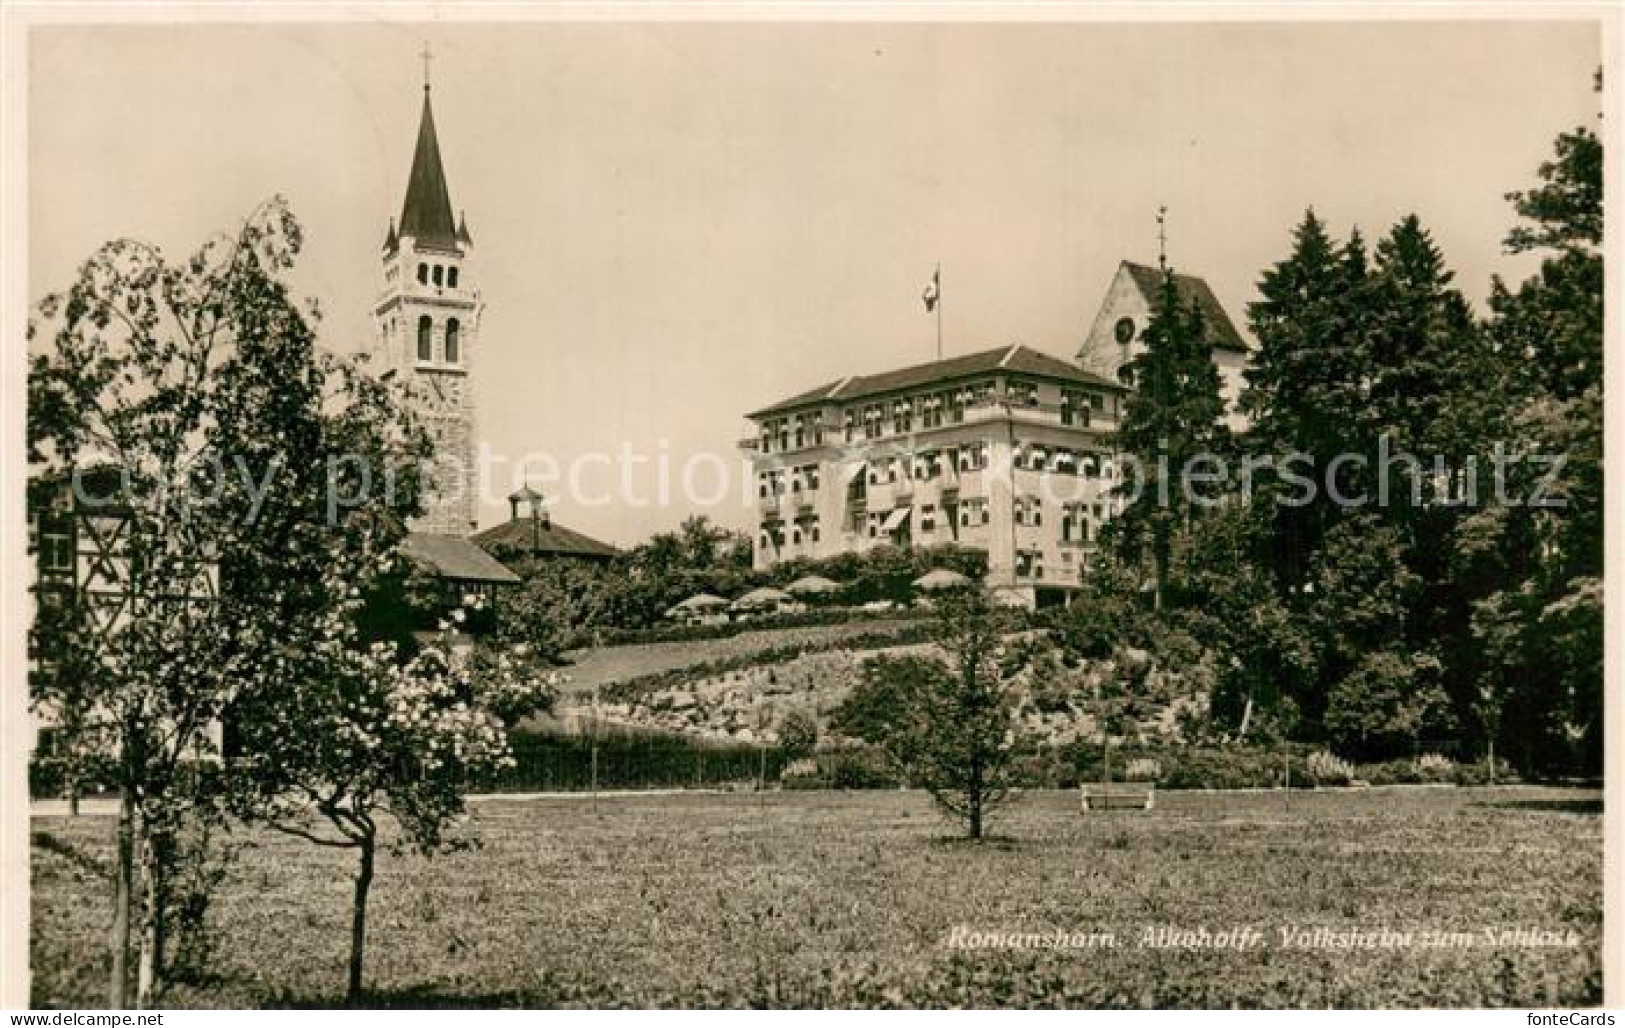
<point x="1007" y="450"/>
<point x="1010" y="450"/>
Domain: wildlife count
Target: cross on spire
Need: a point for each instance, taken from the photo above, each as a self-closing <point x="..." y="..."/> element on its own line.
<point x="427" y="55"/>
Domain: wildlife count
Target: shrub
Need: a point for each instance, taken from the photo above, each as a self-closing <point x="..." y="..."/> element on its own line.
<point x="1142" y="769"/>
<point x="1435" y="767"/>
<point x="861" y="769"/>
<point x="1326" y="768"/>
<point x="1236" y="768"/>
<point x="1478" y="773"/>
<point x="1389" y="772"/>
<point x="798" y="734"/>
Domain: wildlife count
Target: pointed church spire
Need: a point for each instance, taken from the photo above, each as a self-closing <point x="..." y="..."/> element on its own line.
<point x="426" y="215"/>
<point x="392" y="241"/>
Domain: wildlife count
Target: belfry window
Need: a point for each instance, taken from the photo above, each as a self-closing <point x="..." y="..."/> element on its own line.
<point x="423" y="273"/>
<point x="439" y="275"/>
<point x="451" y="277"/>
<point x="425" y="338"/>
<point x="451" y="341"/>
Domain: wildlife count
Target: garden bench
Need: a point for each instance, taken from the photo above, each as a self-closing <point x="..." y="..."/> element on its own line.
<point x="1118" y="796"/>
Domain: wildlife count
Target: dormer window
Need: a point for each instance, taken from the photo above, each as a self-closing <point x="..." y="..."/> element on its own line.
<point x="425" y="338"/>
<point x="451" y="342"/>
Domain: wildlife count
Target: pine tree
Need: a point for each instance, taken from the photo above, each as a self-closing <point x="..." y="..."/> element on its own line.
<point x="1173" y="416"/>
<point x="1307" y="385"/>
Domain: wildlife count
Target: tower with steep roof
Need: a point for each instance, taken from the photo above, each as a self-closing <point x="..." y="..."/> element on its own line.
<point x="427" y="319"/>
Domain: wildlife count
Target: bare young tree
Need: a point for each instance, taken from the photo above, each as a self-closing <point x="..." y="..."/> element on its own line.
<point x="948" y="721"/>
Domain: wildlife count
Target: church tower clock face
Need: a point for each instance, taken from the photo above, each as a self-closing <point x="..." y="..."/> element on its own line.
<point x="428" y="320"/>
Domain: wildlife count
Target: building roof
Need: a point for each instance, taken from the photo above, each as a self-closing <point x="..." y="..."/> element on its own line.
<point x="1017" y="358"/>
<point x="426" y="215"/>
<point x="523" y="535"/>
<point x="453" y="557"/>
<point x="1190" y="288"/>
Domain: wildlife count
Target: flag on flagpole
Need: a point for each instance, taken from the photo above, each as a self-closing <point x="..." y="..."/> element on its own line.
<point x="933" y="290"/>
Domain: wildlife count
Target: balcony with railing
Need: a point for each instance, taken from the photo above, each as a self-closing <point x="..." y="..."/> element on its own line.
<point x="811" y="436"/>
<point x="1027" y="412"/>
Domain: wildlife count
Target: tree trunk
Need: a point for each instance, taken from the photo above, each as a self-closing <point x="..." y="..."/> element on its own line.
<point x="146" y="971"/>
<point x="973" y="798"/>
<point x="358" y="918"/>
<point x="1246" y="719"/>
<point x="1492" y="760"/>
<point x="154" y="865"/>
<point x="118" y="994"/>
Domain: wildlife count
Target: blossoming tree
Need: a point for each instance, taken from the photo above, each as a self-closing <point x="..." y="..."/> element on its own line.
<point x="360" y="733"/>
<point x="198" y="388"/>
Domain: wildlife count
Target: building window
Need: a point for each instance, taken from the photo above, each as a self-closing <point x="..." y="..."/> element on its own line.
<point x="1029" y="564"/>
<point x="423" y="274"/>
<point x="1021" y="394"/>
<point x="56" y="547"/>
<point x="439" y="275"/>
<point x="451" y="342"/>
<point x="425" y="338"/>
<point x="451" y="277"/>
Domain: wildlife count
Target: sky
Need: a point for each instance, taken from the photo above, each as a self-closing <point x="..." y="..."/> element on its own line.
<point x="675" y="224"/>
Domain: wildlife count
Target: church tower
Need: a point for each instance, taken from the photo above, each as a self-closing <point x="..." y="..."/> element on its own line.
<point x="428" y="320"/>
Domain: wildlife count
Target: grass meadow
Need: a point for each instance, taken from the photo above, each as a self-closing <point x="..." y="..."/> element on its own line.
<point x="851" y="899"/>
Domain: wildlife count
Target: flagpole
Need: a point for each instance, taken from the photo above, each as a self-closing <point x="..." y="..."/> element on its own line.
<point x="939" y="310"/>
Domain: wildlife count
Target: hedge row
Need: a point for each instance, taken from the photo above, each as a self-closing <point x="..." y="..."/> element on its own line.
<point x="549" y="761"/>
<point x="701" y="633"/>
